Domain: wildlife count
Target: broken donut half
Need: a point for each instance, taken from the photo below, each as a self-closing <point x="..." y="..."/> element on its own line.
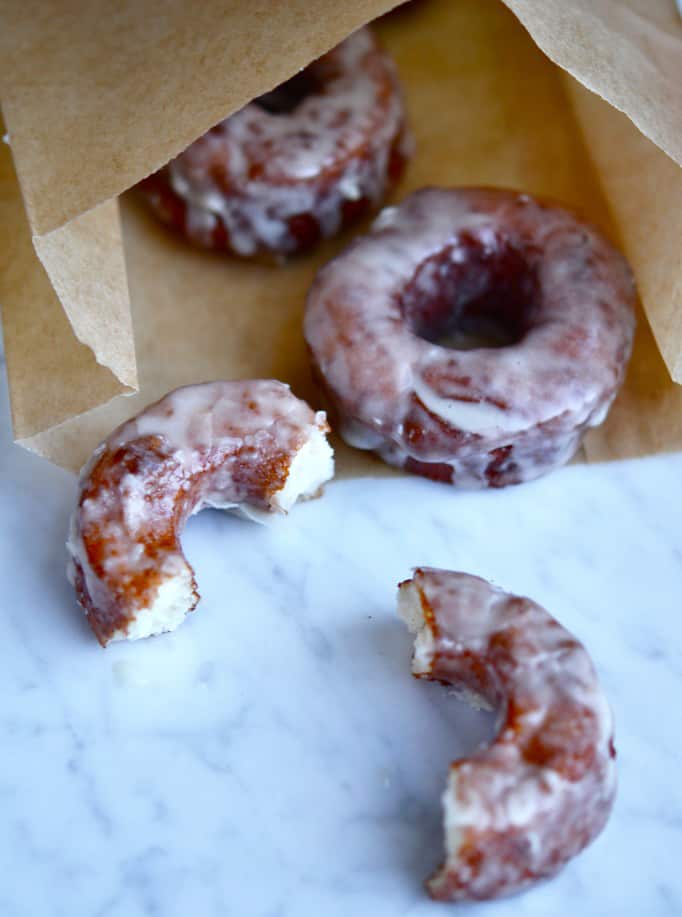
<point x="250" y="446"/>
<point x="517" y="810"/>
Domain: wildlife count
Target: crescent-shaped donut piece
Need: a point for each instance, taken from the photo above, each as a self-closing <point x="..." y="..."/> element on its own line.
<point x="248" y="446"/>
<point x="517" y="810"/>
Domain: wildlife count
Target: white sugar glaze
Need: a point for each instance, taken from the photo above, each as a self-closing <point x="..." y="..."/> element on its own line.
<point x="247" y="446"/>
<point x="257" y="169"/>
<point x="516" y="811"/>
<point x="416" y="401"/>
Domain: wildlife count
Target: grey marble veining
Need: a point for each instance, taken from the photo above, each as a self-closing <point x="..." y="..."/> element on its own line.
<point x="273" y="757"/>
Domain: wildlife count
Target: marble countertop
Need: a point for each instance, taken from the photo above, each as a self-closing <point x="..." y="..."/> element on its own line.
<point x="274" y="757"/>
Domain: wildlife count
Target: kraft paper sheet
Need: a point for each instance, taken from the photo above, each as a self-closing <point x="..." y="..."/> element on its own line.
<point x="98" y="301"/>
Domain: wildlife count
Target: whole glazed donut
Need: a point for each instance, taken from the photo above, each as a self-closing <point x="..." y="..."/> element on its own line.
<point x="516" y="811"/>
<point x="250" y="446"/>
<point x="297" y="164"/>
<point x="381" y="316"/>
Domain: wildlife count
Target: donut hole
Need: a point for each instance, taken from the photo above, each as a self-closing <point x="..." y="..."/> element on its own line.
<point x="285" y="98"/>
<point x="475" y="292"/>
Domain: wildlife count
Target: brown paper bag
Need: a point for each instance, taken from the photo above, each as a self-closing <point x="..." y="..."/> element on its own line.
<point x="95" y="97"/>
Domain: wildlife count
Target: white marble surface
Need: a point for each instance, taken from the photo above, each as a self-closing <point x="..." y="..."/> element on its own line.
<point x="274" y="757"/>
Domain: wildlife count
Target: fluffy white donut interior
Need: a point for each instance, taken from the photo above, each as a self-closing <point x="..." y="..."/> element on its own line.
<point x="311" y="467"/>
<point x="411" y="611"/>
<point x="174" y="598"/>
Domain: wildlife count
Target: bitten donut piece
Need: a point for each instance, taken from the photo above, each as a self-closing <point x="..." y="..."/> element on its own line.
<point x="295" y="165"/>
<point x="248" y="446"/>
<point x="518" y="810"/>
<point x="385" y="319"/>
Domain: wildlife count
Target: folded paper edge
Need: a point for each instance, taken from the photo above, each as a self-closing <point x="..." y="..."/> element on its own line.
<point x="95" y="238"/>
<point x="59" y="349"/>
<point x="617" y="149"/>
<point x="639" y="118"/>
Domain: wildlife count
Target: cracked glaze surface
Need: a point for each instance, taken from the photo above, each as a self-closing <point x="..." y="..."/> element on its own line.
<point x="221" y="444"/>
<point x="520" y="808"/>
<point x="487" y="416"/>
<point x="296" y="165"/>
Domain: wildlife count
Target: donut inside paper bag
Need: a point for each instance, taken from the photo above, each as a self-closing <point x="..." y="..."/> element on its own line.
<point x="104" y="310"/>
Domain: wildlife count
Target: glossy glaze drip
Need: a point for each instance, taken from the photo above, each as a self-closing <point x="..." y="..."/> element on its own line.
<point x="230" y="445"/>
<point x="488" y="416"/>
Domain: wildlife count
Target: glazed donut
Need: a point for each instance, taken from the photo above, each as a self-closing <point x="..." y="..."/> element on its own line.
<point x="297" y="164"/>
<point x="382" y="316"/>
<point x="518" y="810"/>
<point x="248" y="446"/>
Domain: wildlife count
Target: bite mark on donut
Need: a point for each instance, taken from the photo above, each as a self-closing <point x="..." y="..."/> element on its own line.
<point x="516" y="811"/>
<point x="248" y="447"/>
